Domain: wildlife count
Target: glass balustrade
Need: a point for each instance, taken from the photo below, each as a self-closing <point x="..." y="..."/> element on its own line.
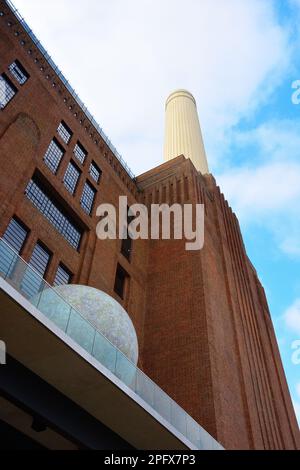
<point x="34" y="288"/>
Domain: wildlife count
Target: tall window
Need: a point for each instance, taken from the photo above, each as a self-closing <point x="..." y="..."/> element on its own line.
<point x="80" y="153"/>
<point x="54" y="155"/>
<point x="126" y="248"/>
<point x="18" y="72"/>
<point x="64" y="132"/>
<point x="88" y="198"/>
<point x="120" y="282"/>
<point x="60" y="221"/>
<point x="95" y="172"/>
<point x="15" y="236"/>
<point x="63" y="276"/>
<point x="71" y="178"/>
<point x="32" y="281"/>
<point x="7" y="91"/>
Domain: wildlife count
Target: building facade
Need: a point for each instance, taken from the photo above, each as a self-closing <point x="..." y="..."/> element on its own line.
<point x="202" y="320"/>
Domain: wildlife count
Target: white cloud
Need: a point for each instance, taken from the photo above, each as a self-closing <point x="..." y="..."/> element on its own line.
<point x="274" y="140"/>
<point x="291" y="243"/>
<point x="266" y="190"/>
<point x="259" y="191"/>
<point x="267" y="197"/>
<point x="125" y="57"/>
<point x="292" y="317"/>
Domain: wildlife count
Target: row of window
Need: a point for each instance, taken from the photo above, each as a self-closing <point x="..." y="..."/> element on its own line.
<point x="55" y="151"/>
<point x="50" y="209"/>
<point x="15" y="236"/>
<point x="7" y="88"/>
<point x="79" y="151"/>
<point x="53" y="158"/>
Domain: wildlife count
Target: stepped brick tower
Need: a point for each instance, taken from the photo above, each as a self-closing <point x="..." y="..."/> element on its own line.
<point x="202" y="321"/>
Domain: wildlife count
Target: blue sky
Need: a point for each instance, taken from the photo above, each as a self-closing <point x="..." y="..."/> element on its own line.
<point x="239" y="58"/>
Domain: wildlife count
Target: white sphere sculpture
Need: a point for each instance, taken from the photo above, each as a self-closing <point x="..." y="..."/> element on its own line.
<point x="100" y="310"/>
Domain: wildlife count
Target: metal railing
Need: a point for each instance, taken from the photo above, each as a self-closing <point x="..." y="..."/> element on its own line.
<point x="70" y="89"/>
<point x="30" y="284"/>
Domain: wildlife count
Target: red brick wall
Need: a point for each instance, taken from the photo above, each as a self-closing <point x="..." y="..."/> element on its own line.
<point x="209" y="340"/>
<point x="202" y="319"/>
<point x="27" y="126"/>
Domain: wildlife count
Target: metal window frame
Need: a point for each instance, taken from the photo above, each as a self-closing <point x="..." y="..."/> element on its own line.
<point x="12" y="91"/>
<point x="50" y="210"/>
<point x="85" y="198"/>
<point x="17" y="70"/>
<point x="61" y="267"/>
<point x="80" y="153"/>
<point x="16" y="235"/>
<point x="95" y="172"/>
<point x="64" y="132"/>
<point x="54" y="155"/>
<point x="71" y="178"/>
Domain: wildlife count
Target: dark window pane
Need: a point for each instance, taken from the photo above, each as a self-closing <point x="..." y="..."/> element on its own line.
<point x="80" y="153"/>
<point x="64" y="132"/>
<point x="120" y="282"/>
<point x="88" y="198"/>
<point x="55" y="216"/>
<point x="126" y="248"/>
<point x="53" y="156"/>
<point x="40" y="259"/>
<point x="33" y="278"/>
<point x="7" y="91"/>
<point x="15" y="236"/>
<point x="18" y="72"/>
<point x="63" y="276"/>
<point x="95" y="172"/>
<point x="71" y="178"/>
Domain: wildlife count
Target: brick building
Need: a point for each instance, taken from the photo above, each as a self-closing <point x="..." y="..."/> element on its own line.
<point x="202" y="320"/>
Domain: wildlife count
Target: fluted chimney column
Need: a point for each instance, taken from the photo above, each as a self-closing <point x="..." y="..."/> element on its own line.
<point x="183" y="133"/>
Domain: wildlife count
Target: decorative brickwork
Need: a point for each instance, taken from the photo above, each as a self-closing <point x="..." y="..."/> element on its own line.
<point x="204" y="329"/>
